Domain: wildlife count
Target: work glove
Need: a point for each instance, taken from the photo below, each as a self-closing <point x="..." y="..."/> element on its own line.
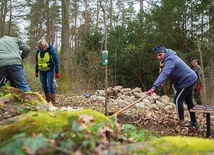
<point x="198" y="87"/>
<point x="57" y="75"/>
<point x="36" y="74"/>
<point x="150" y="92"/>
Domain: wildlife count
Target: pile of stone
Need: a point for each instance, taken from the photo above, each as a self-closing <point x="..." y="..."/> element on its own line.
<point x="118" y="98"/>
<point x="122" y="97"/>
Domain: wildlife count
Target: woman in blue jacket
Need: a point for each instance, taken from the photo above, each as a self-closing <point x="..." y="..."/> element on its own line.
<point x="182" y="77"/>
<point x="47" y="65"/>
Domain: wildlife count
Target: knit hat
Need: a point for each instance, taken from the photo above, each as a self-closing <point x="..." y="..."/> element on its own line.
<point x="160" y="49"/>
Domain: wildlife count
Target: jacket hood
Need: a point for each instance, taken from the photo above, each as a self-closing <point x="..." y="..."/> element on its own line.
<point x="169" y="52"/>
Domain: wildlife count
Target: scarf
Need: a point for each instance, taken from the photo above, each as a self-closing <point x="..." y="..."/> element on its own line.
<point x="161" y="66"/>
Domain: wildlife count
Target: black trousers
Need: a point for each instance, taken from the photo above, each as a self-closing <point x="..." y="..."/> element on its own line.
<point x="182" y="95"/>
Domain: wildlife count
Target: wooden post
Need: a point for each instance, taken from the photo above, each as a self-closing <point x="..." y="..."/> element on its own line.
<point x="106" y="87"/>
<point x="105" y="63"/>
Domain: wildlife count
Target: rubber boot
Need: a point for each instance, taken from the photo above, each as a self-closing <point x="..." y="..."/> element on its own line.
<point x="47" y="97"/>
<point x="53" y="99"/>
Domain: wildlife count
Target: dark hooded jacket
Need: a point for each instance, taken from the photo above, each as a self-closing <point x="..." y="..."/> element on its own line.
<point x="53" y="64"/>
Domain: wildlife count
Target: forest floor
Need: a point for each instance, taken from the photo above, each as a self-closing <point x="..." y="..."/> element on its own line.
<point x="163" y="123"/>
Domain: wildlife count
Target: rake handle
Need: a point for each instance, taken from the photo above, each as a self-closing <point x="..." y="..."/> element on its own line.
<point x="121" y="110"/>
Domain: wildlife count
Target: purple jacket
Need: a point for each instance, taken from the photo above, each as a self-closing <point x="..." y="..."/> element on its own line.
<point x="177" y="71"/>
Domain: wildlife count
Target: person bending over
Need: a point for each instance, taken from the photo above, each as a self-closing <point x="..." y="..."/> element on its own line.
<point x="182" y="77"/>
<point x="12" y="51"/>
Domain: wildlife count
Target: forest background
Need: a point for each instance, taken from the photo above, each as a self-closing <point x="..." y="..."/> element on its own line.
<point x="81" y="29"/>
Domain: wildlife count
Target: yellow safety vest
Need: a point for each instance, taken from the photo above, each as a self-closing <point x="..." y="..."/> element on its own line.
<point x="43" y="63"/>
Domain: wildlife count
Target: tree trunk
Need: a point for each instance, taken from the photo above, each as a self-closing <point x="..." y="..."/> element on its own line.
<point x="111" y="12"/>
<point x="3" y="16"/>
<point x="141" y="5"/>
<point x="65" y="47"/>
<point x="10" y="20"/>
<point x="86" y="17"/>
<point x="97" y="16"/>
<point x="47" y="22"/>
<point x="211" y="80"/>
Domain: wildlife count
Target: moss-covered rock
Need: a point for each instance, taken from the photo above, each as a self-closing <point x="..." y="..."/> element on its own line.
<point x="45" y="122"/>
<point x="181" y="145"/>
<point x="32" y="98"/>
<point x="169" y="145"/>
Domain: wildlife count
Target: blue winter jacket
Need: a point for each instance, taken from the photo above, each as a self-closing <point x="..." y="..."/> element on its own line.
<point x="54" y="63"/>
<point x="177" y="71"/>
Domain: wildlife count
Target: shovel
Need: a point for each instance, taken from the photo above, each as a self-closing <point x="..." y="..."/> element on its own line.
<point x="122" y="110"/>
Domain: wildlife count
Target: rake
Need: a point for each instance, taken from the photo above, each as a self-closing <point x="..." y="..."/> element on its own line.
<point x="122" y="110"/>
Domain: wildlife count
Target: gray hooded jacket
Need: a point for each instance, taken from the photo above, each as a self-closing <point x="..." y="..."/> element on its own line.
<point x="12" y="51"/>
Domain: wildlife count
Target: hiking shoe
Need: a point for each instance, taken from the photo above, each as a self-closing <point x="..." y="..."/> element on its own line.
<point x="195" y="124"/>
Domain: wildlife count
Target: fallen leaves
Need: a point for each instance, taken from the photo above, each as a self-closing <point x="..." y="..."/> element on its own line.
<point x="164" y="122"/>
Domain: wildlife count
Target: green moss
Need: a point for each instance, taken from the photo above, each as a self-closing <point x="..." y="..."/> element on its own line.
<point x="44" y="122"/>
<point x="6" y="96"/>
<point x="32" y="98"/>
<point x="179" y="145"/>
